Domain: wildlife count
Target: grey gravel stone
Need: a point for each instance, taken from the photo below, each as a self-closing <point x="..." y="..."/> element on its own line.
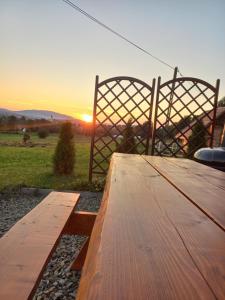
<point x="13" y="206"/>
<point x="58" y="281"/>
<point x="89" y="201"/>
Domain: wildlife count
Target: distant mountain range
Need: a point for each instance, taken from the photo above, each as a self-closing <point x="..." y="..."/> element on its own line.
<point x="36" y="114"/>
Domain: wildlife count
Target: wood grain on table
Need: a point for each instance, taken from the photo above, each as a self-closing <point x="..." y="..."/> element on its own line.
<point x="150" y="242"/>
<point x="203" y="185"/>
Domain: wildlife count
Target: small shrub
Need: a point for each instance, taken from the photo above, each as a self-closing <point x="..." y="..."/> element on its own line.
<point x="42" y="133"/>
<point x="26" y="137"/>
<point x="128" y="144"/>
<point x="197" y="139"/>
<point x="97" y="185"/>
<point x="64" y="157"/>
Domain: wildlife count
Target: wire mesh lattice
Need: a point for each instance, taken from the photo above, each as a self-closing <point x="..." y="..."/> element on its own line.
<point x="119" y="101"/>
<point x="184" y="113"/>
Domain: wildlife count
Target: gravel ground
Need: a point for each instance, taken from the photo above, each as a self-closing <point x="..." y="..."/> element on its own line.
<point x="58" y="282"/>
<point x="13" y="206"/>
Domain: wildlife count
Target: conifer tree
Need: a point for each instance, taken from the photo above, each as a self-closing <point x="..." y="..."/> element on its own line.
<point x="128" y="144"/>
<point x="197" y="139"/>
<point x="64" y="157"/>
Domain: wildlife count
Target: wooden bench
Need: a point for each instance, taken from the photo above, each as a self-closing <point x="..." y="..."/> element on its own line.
<point x="159" y="233"/>
<point x="27" y="247"/>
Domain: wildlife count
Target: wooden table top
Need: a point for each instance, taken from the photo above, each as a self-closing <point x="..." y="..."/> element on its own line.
<point x="159" y="233"/>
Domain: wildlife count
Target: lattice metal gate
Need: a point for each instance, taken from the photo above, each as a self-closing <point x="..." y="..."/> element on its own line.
<point x="185" y="109"/>
<point x="181" y="105"/>
<point x="119" y="101"/>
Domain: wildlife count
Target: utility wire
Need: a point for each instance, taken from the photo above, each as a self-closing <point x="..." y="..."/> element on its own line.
<point x="117" y="34"/>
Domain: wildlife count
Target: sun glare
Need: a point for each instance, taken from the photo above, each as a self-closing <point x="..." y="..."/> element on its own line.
<point x="87" y="118"/>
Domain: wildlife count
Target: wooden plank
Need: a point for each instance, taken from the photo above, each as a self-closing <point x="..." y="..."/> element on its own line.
<point x="201" y="184"/>
<point x="80" y="259"/>
<point x="215" y="177"/>
<point x="150" y="242"/>
<point x="26" y="248"/>
<point x="90" y="268"/>
<point x="81" y="223"/>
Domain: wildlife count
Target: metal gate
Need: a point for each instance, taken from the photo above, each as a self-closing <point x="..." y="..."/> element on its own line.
<point x="181" y="105"/>
<point x="119" y="102"/>
<point x="185" y="109"/>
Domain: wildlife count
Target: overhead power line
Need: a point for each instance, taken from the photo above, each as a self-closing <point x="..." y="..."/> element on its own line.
<point x="117" y="34"/>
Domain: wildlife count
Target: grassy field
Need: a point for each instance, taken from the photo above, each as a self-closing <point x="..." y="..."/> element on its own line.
<point x="32" y="166"/>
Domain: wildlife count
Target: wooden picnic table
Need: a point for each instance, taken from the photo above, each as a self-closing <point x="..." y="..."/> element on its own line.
<point x="159" y="233"/>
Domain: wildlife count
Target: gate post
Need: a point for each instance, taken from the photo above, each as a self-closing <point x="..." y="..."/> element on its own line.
<point x="93" y="128"/>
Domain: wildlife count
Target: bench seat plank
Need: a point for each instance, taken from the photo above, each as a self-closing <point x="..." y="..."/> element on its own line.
<point x="203" y="185"/>
<point x="150" y="242"/>
<point x="26" y="248"/>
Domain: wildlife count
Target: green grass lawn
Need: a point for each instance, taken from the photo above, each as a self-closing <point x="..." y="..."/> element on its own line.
<point x="32" y="166"/>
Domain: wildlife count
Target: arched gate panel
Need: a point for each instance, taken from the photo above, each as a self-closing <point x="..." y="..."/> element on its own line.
<point x="119" y="101"/>
<point x="185" y="110"/>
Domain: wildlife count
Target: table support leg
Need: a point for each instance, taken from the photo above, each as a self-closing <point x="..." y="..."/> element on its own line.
<point x="79" y="260"/>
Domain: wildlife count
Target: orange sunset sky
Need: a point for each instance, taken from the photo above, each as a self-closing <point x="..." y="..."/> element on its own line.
<point x="50" y="53"/>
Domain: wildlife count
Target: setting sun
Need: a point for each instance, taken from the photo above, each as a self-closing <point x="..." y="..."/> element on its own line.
<point x="87" y="118"/>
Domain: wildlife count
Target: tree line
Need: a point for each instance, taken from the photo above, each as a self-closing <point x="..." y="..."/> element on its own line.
<point x="41" y="126"/>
